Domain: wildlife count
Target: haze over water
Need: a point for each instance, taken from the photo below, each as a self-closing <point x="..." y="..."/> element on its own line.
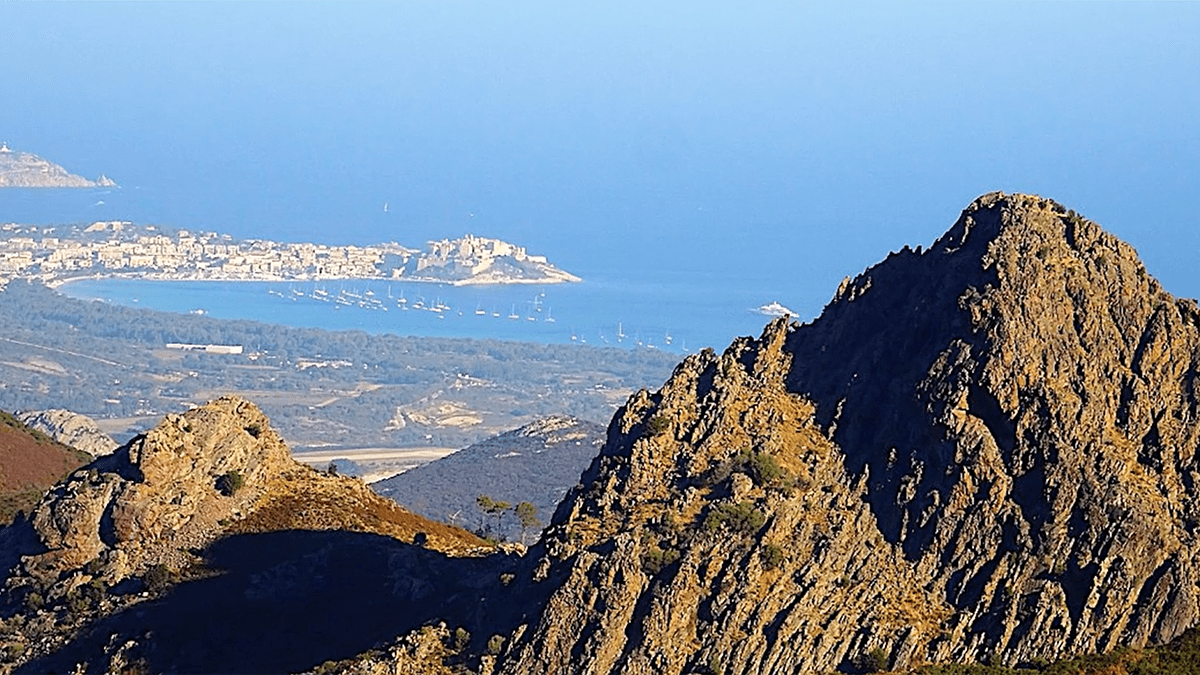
<point x="752" y="154"/>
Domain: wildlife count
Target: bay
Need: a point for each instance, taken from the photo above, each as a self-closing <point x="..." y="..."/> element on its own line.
<point x="668" y="298"/>
<point x="679" y="313"/>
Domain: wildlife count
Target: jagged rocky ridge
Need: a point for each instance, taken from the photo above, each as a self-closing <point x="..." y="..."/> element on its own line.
<point x="990" y="454"/>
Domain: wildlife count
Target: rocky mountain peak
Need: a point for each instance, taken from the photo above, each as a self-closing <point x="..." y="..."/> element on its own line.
<point x="982" y="450"/>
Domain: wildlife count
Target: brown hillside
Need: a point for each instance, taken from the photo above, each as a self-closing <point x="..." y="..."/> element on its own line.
<point x="30" y="463"/>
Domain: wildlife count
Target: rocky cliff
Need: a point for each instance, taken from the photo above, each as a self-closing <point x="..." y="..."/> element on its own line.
<point x="27" y="170"/>
<point x="984" y="451"/>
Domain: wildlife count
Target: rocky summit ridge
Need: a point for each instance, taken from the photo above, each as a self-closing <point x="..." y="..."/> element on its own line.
<point x="980" y="452"/>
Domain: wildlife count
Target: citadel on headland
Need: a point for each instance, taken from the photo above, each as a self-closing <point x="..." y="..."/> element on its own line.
<point x="119" y="248"/>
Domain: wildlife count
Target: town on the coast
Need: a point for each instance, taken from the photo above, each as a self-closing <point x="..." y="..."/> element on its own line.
<point x="58" y="254"/>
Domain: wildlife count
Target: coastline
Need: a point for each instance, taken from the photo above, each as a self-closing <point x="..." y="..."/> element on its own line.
<point x="57" y="282"/>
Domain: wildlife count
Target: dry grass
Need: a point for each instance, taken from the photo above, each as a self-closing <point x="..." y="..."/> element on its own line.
<point x="306" y="499"/>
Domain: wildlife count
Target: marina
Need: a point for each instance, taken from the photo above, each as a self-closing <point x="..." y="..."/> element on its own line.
<point x="626" y="314"/>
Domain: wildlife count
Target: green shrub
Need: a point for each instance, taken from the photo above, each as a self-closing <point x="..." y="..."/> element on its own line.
<point x="655" y="559"/>
<point x="159" y="578"/>
<point x="35" y="601"/>
<point x="874" y="661"/>
<point x="765" y="469"/>
<point x="495" y="644"/>
<point x="658" y="424"/>
<point x="13" y="651"/>
<point x="230" y="482"/>
<point x="462" y="637"/>
<point x="84" y="597"/>
<point x="741" y="518"/>
<point x="772" y="557"/>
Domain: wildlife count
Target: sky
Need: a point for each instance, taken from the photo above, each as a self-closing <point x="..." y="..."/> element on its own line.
<point x="790" y="144"/>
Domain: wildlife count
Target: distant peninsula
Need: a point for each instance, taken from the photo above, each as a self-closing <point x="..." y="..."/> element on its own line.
<point x="55" y="255"/>
<point x="27" y="170"/>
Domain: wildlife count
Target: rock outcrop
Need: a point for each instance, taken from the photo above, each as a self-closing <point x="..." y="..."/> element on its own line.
<point x="178" y="498"/>
<point x="27" y="170"/>
<point x="982" y="451"/>
<point x="70" y="428"/>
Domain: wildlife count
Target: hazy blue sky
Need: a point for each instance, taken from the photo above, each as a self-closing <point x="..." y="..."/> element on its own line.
<point x="796" y="141"/>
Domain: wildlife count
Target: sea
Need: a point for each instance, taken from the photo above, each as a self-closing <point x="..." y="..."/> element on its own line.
<point x="623" y="301"/>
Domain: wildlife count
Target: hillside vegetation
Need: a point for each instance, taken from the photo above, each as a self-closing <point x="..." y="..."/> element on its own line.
<point x="30" y="462"/>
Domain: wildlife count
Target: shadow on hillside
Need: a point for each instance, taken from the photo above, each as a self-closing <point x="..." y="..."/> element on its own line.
<point x="288" y="601"/>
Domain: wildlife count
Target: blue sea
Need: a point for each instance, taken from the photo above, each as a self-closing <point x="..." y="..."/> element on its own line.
<point x="622" y="302"/>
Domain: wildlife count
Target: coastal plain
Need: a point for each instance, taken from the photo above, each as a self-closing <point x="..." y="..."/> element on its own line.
<point x="387" y="391"/>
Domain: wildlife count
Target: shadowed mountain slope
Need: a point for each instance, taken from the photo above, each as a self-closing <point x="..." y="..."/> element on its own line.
<point x="536" y="463"/>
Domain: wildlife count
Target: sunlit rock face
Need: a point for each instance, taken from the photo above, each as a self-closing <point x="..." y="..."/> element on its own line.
<point x="983" y="450"/>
